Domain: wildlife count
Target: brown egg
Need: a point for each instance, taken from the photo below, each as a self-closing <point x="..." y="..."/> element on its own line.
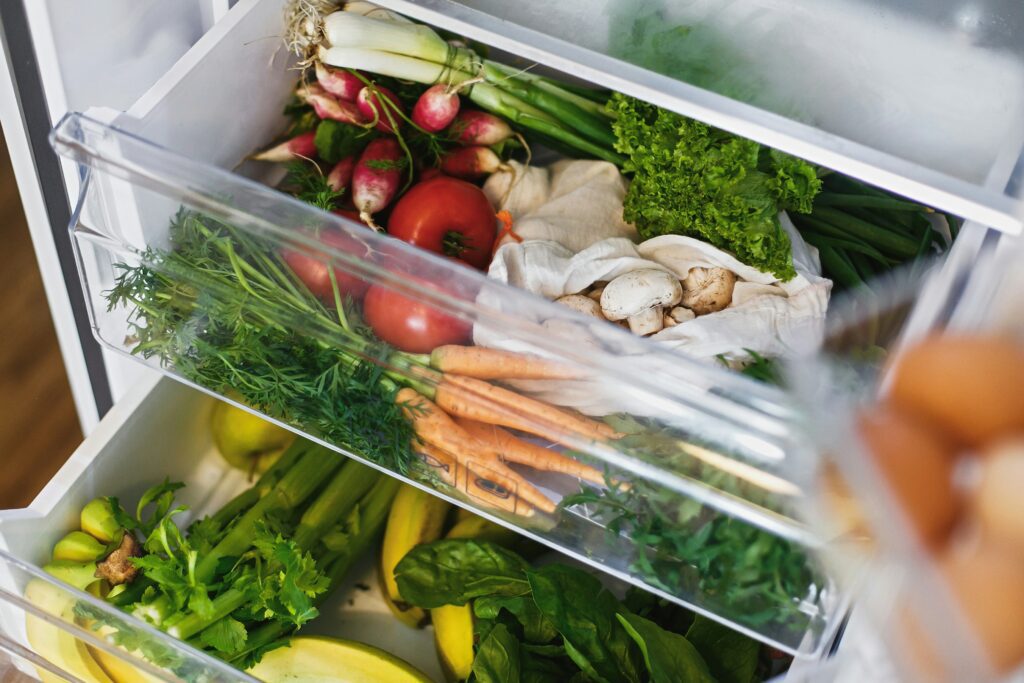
<point x="997" y="502"/>
<point x="917" y="462"/>
<point x="988" y="583"/>
<point x="973" y="386"/>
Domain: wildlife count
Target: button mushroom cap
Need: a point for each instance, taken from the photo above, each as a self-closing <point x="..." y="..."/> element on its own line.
<point x="708" y="290"/>
<point x="639" y="297"/>
<point x="581" y="304"/>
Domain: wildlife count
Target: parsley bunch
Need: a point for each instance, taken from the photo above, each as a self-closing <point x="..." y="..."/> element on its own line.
<point x="237" y="584"/>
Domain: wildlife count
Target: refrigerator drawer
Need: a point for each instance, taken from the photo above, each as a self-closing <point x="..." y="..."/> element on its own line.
<point x="674" y="506"/>
<point x="160" y="431"/>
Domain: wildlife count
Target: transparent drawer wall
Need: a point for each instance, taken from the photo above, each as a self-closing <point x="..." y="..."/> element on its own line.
<point x="913" y="611"/>
<point x="59" y="633"/>
<point x="921" y="97"/>
<point x="682" y="464"/>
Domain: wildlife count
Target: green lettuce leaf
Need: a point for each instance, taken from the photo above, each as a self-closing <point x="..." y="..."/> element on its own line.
<point x="692" y="179"/>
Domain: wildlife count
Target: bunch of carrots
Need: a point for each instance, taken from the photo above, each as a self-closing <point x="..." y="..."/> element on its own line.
<point x="462" y="421"/>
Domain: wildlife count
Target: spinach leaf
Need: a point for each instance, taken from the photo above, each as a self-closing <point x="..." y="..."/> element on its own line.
<point x="537" y="628"/>
<point x="497" y="658"/>
<point x="669" y="656"/>
<point x="335" y="140"/>
<point x="731" y="656"/>
<point x="549" y="665"/>
<point x="454" y="571"/>
<point x="584" y="612"/>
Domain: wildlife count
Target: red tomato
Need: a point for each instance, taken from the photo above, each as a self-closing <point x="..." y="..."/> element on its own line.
<point x="409" y="325"/>
<point x="315" y="274"/>
<point x="447" y="216"/>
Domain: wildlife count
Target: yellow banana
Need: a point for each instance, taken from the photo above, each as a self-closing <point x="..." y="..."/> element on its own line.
<point x="415" y="517"/>
<point x="453" y="638"/>
<point x="453" y="624"/>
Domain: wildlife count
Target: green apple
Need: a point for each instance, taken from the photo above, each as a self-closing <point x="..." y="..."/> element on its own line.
<point x="247" y="441"/>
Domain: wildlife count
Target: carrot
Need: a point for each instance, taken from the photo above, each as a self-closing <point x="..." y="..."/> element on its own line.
<point x="477" y="400"/>
<point x="516" y="450"/>
<point x="483" y="363"/>
<point x="435" y="428"/>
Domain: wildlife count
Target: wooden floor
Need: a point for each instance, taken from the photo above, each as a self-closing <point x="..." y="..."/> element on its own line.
<point x="38" y="424"/>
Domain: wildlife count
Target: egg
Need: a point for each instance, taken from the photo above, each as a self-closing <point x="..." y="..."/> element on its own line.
<point x="972" y="386"/>
<point x="997" y="502"/>
<point x="988" y="584"/>
<point x="917" y="463"/>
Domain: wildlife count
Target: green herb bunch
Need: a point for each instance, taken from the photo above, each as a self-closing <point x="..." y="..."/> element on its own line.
<point x="221" y="309"/>
<point x="686" y="548"/>
<point x="692" y="179"/>
<point x="238" y="583"/>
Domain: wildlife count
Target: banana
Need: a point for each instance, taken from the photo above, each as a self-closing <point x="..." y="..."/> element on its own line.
<point x="453" y="639"/>
<point x="53" y="643"/>
<point x="453" y="624"/>
<point x="415" y="517"/>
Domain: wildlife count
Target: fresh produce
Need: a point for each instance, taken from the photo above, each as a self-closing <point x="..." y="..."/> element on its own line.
<point x="78" y="546"/>
<point x="411" y="325"/>
<point x="303" y="146"/>
<point x="477" y="128"/>
<point x="471" y="162"/>
<point x="277" y="535"/>
<point x="560" y="620"/>
<point x="446" y="216"/>
<point x="415" y="517"/>
<point x="861" y="231"/>
<point x="55" y="644"/>
<point x="329" y="284"/>
<point x="954" y="401"/>
<point x="344" y="389"/>
<point x="341" y="174"/>
<point x="384" y="117"/>
<point x="376" y="178"/>
<point x="485" y="363"/>
<point x="340" y="83"/>
<point x="412" y="52"/>
<point x="692" y="179"/>
<point x="327" y="107"/>
<point x="245" y="440"/>
<point x="327" y="660"/>
<point x="436" y="108"/>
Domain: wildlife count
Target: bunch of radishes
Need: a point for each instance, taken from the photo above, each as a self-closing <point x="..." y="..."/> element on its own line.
<point x="463" y="138"/>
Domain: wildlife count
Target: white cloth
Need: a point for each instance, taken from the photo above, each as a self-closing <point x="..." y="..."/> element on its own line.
<point x="573" y="203"/>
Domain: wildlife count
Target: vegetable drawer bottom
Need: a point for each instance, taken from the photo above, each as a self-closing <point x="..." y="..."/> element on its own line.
<point x="160" y="431"/>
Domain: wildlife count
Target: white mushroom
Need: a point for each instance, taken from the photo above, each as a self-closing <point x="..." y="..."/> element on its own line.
<point x="681" y="315"/>
<point x="667" y="321"/>
<point x="597" y="289"/>
<point x="708" y="290"/>
<point x="581" y="304"/>
<point x="639" y="296"/>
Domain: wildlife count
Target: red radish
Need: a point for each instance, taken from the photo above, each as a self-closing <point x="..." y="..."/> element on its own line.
<point x="341" y="83"/>
<point x="472" y="127"/>
<point x="436" y="108"/>
<point x="327" y="107"/>
<point x="376" y="178"/>
<point x="299" y="146"/>
<point x="316" y="274"/>
<point x="341" y="175"/>
<point x="470" y="162"/>
<point x="370" y="109"/>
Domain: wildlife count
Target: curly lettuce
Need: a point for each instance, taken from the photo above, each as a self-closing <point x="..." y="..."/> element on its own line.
<point x="692" y="179"/>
